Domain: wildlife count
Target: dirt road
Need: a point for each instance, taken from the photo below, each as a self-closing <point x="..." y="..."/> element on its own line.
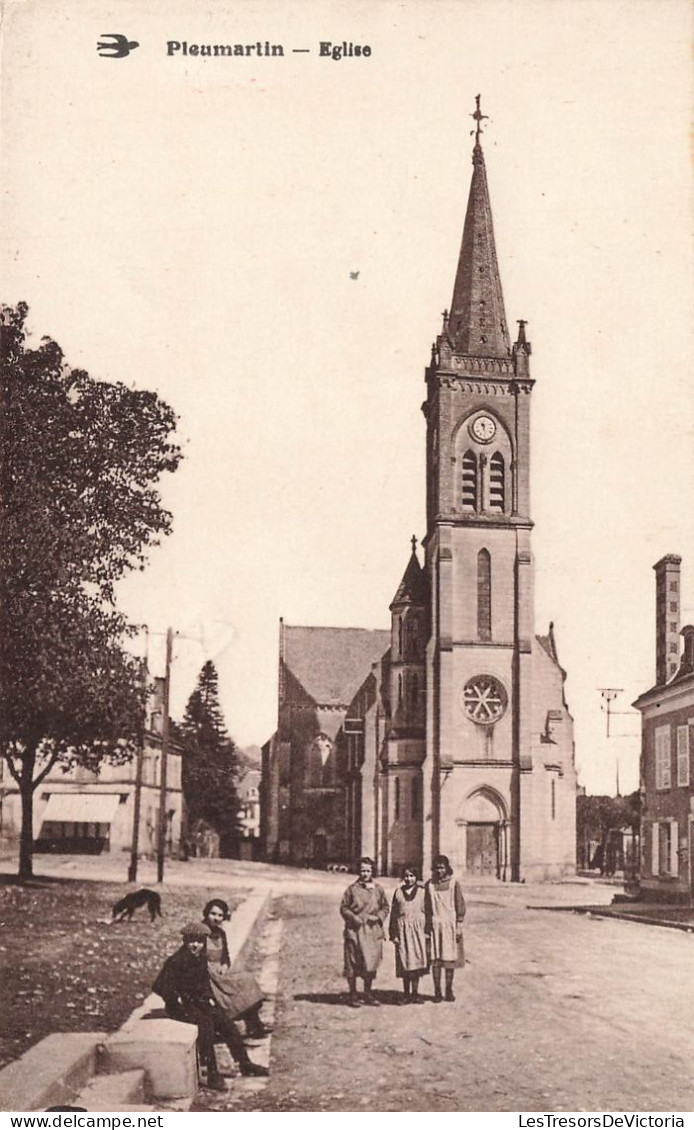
<point x="554" y="1012"/>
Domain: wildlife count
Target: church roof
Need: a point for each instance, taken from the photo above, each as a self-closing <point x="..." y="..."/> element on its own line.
<point x="332" y="663"/>
<point x="548" y="643"/>
<point x="413" y="586"/>
<point x="477" y="321"/>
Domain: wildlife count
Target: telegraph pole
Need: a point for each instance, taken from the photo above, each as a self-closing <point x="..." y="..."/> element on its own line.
<point x="132" y="870"/>
<point x="161" y="845"/>
<point x="609" y="694"/>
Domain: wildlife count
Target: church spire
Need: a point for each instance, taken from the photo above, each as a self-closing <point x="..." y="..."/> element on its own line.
<point x="477" y="323"/>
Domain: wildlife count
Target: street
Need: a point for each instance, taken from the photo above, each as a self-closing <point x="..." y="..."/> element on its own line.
<point x="554" y="1012"/>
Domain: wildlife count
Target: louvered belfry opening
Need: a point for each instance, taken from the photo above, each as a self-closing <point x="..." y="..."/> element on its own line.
<point x="469" y="486"/>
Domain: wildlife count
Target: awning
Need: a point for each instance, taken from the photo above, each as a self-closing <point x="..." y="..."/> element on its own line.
<point x="81" y="808"/>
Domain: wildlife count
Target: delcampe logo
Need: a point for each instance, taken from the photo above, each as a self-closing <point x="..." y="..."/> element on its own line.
<point x="119" y="48"/>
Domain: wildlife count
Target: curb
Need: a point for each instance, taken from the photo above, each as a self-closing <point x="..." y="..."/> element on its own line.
<point x="605" y="912"/>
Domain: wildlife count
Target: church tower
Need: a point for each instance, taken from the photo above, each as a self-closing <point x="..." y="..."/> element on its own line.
<point x="450" y="733"/>
<point x="478" y="563"/>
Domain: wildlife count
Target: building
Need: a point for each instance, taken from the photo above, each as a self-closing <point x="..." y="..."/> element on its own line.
<point x="667" y="737"/>
<point x="457" y="737"/>
<point x="249" y="812"/>
<point x="303" y="802"/>
<point x="90" y="812"/>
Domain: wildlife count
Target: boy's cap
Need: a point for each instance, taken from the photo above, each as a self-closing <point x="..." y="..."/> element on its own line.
<point x="195" y="930"/>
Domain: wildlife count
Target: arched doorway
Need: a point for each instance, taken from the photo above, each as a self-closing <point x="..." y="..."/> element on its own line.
<point x="319" y="847"/>
<point x="485" y="822"/>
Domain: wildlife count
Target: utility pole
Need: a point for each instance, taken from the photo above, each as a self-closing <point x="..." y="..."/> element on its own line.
<point x="161" y="845"/>
<point x="135" y="844"/>
<point x="609" y="694"/>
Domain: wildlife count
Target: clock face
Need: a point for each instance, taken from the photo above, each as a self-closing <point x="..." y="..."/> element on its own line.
<point x="483" y="429"/>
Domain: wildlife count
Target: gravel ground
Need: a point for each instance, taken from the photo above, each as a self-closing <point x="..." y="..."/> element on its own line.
<point x="554" y="1012"/>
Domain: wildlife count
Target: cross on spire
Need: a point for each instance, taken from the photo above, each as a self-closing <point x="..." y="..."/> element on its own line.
<point x="478" y="117"/>
<point x="414" y="543"/>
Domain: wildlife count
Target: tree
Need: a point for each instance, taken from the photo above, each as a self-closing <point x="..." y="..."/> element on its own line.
<point x="597" y="816"/>
<point x="210" y="762"/>
<point x="78" y="462"/>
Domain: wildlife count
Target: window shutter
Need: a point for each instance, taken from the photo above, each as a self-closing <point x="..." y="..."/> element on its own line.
<point x="683" y="755"/>
<point x="674" y="845"/>
<point x="655" y="843"/>
<point x="662" y="758"/>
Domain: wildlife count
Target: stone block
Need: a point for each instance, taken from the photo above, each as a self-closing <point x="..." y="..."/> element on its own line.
<point x="164" y="1048"/>
<point x="51" y="1073"/>
<point x="112" y="1092"/>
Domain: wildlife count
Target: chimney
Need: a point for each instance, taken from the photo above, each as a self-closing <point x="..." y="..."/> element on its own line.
<point x="667" y="617"/>
<point x="687" y="666"/>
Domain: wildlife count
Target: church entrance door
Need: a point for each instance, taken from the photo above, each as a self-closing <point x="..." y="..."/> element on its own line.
<point x="482" y="856"/>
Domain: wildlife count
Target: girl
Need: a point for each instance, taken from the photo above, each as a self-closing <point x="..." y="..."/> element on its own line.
<point x="407" y="922"/>
<point x="237" y="994"/>
<point x="445" y="911"/>
<point x="364" y="909"/>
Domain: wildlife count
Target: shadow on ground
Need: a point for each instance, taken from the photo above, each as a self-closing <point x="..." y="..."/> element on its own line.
<point x="383" y="996"/>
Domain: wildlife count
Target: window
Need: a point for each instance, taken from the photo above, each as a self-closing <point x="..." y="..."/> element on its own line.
<point x="400" y="635"/>
<point x="497" y="490"/>
<point x="662" y="758"/>
<point x="414" y="798"/>
<point x="665" y="858"/>
<point x="683" y="755"/>
<point x="397" y="798"/>
<point x="469" y="497"/>
<point x="320" y="763"/>
<point x="484" y="699"/>
<point x="414" y="695"/>
<point x="399" y="692"/>
<point x="484" y="595"/>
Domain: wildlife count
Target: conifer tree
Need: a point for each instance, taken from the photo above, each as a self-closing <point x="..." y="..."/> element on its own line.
<point x="210" y="762"/>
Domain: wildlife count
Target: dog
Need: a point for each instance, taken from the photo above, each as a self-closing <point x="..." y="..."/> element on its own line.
<point x="124" y="909"/>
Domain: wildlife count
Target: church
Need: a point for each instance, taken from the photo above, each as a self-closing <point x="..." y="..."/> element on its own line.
<point x="449" y="732"/>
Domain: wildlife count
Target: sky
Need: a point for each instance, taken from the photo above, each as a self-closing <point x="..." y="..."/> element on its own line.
<point x="193" y="225"/>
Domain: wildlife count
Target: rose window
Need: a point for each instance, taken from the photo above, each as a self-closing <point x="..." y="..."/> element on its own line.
<point x="484" y="699"/>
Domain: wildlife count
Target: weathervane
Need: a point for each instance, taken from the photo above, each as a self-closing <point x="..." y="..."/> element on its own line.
<point x="478" y="117"/>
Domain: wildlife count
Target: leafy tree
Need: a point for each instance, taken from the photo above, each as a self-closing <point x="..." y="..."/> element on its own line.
<point x="597" y="816"/>
<point x="210" y="761"/>
<point x="78" y="509"/>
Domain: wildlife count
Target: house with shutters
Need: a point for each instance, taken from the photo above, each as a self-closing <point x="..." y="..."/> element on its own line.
<point x="667" y="740"/>
<point x="449" y="732"/>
